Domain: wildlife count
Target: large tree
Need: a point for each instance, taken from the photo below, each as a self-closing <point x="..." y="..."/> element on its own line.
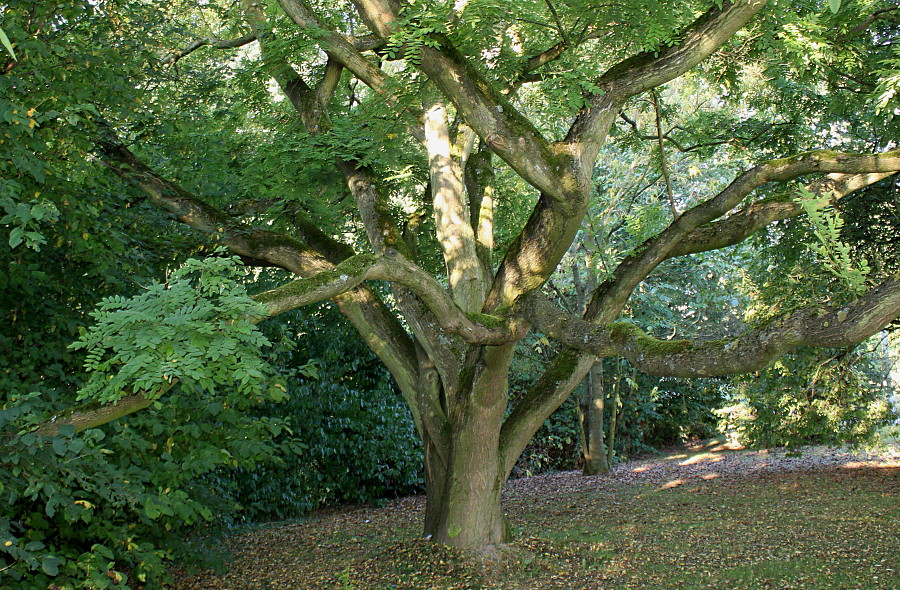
<point x="481" y="96"/>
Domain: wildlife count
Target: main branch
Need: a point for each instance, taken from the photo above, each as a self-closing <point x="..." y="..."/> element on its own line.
<point x="609" y="299"/>
<point x="817" y="326"/>
<point x="650" y="69"/>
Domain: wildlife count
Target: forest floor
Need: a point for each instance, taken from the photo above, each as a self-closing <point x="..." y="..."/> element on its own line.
<point x="705" y="516"/>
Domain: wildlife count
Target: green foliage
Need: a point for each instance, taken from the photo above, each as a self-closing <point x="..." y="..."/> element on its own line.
<point x="109" y="507"/>
<point x="835" y="255"/>
<point x="197" y="329"/>
<point x="347" y="436"/>
<point x="6" y="44"/>
<point x="872" y="227"/>
<point x="812" y="397"/>
<point x="887" y="93"/>
<point x="64" y="519"/>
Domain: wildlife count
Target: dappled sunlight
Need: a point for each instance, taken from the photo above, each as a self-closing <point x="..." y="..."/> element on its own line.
<point x="707" y="458"/>
<point x="895" y="464"/>
<point x="709" y="476"/>
<point x="671" y="484"/>
<point x="640" y="469"/>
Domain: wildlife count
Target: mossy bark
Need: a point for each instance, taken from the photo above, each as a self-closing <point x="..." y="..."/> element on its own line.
<point x="465" y="480"/>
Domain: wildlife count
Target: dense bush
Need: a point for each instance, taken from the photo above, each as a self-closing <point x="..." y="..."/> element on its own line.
<point x="111" y="505"/>
<point x="812" y="397"/>
<point x="348" y="438"/>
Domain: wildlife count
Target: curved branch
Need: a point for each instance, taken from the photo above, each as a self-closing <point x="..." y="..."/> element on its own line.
<point x="648" y="70"/>
<point x="94" y="414"/>
<point x="338" y="46"/>
<point x="375" y="323"/>
<point x="284" y="251"/>
<point x="755" y="216"/>
<point x="472" y="327"/>
<point x="815" y="326"/>
<point x="543" y="398"/>
<point x="483" y="106"/>
<point x="884" y="13"/>
<point x="609" y="299"/>
<point x="213" y="42"/>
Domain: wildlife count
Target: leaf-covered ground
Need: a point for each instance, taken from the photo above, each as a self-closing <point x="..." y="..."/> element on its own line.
<point x="708" y="516"/>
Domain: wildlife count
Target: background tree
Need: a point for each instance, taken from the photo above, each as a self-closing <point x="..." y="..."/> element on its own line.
<point x="471" y="114"/>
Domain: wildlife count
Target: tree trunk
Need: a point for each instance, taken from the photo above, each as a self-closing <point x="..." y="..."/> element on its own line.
<point x="463" y="498"/>
<point x="613" y="415"/>
<point x="590" y="412"/>
<point x="464" y="481"/>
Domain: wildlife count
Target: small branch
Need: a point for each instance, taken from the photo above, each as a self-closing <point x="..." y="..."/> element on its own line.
<point x="536" y="62"/>
<point x="662" y="154"/>
<point x="884" y="13"/>
<point x="213" y="42"/>
<point x="559" y="25"/>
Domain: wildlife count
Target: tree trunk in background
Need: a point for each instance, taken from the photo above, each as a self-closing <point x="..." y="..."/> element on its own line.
<point x="590" y="414"/>
<point x="590" y="407"/>
<point x="613" y="418"/>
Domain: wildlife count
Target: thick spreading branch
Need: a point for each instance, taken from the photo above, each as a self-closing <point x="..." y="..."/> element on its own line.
<point x="452" y="219"/>
<point x="742" y="224"/>
<point x="611" y="296"/>
<point x="94" y="414"/>
<point x="296" y="253"/>
<point x="817" y="326"/>
<point x="473" y="328"/>
<point x="338" y="46"/>
<point x="648" y="70"/>
<point x="483" y="106"/>
<point x="284" y="251"/>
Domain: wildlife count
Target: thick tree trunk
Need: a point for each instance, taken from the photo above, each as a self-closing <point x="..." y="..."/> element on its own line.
<point x="463" y="500"/>
<point x="593" y="449"/>
<point x="464" y="481"/>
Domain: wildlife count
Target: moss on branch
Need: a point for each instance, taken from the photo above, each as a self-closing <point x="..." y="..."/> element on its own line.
<point x="627" y="334"/>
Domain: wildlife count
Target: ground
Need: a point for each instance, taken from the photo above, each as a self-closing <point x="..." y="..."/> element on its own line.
<point x="705" y="516"/>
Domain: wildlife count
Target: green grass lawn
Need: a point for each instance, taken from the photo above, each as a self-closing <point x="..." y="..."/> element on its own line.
<point x="706" y="518"/>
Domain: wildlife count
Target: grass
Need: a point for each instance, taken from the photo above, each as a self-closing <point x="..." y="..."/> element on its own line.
<point x="709" y="518"/>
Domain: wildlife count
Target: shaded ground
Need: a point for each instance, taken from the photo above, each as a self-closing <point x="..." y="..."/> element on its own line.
<point x="707" y="517"/>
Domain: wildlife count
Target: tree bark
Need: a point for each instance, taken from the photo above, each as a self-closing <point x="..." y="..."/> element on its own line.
<point x="463" y="493"/>
<point x="613" y="417"/>
<point x="593" y="448"/>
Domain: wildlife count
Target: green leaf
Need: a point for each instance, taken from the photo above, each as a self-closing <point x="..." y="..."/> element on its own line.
<point x="59" y="445"/>
<point x="834" y="5"/>
<point x="5" y="40"/>
<point x="16" y="236"/>
<point x="152" y="508"/>
<point x="50" y="565"/>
